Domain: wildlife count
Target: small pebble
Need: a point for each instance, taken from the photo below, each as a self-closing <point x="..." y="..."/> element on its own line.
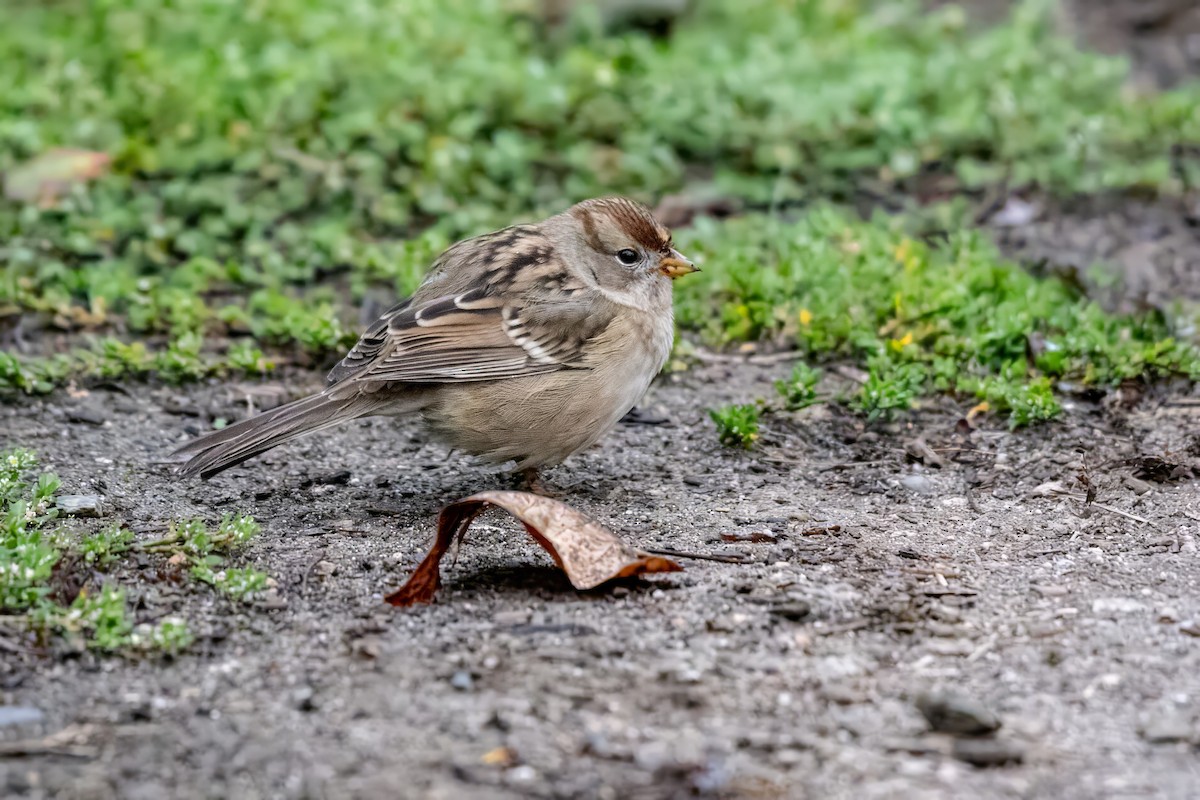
<point x="523" y="774"/>
<point x="949" y="712"/>
<point x="988" y="752"/>
<point x="81" y="505"/>
<point x="1168" y="730"/>
<point x="87" y="415"/>
<point x="918" y="483"/>
<point x="368" y="647"/>
<point x="1139" y="486"/>
<point x="919" y="450"/>
<point x="795" y="610"/>
<point x="20" y="715"/>
<point x="728" y="623"/>
<point x="1112" y="606"/>
<point x="339" y="478"/>
<point x="462" y="681"/>
<point x="305" y="698"/>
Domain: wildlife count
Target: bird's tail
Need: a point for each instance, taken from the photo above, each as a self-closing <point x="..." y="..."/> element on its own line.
<point x="213" y="452"/>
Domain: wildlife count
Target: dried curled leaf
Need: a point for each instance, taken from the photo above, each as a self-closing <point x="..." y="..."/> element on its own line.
<point x="588" y="552"/>
<point x="47" y="177"/>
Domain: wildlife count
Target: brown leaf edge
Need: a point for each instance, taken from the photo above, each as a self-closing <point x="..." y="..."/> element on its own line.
<point x="45" y="178"/>
<point x="587" y="552"/>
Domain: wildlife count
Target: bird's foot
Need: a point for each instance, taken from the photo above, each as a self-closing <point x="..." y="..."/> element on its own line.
<point x="530" y="481"/>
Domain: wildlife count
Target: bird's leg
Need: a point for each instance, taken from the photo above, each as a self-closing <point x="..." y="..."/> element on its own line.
<point x="532" y="482"/>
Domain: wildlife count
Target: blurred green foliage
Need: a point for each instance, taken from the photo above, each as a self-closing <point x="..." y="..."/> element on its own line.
<point x="953" y="317"/>
<point x="274" y="161"/>
<point x="737" y="425"/>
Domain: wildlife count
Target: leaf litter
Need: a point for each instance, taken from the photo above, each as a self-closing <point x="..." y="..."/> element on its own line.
<point x="44" y="179"/>
<point x="587" y="552"/>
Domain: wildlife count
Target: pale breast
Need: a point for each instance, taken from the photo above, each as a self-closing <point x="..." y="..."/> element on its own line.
<point x="543" y="419"/>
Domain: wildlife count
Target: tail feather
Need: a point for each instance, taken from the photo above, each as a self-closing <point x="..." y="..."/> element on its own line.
<point x="243" y="440"/>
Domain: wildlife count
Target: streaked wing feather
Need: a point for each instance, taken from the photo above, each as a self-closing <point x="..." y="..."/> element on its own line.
<point x="466" y="337"/>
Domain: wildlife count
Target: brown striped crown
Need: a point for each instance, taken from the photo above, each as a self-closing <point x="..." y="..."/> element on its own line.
<point x="633" y="217"/>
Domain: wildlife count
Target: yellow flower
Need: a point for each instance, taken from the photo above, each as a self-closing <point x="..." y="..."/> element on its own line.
<point x="899" y="344"/>
<point x="806" y="317"/>
<point x="904" y="255"/>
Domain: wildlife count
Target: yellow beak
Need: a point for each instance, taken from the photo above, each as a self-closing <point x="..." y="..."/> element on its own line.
<point x="676" y="265"/>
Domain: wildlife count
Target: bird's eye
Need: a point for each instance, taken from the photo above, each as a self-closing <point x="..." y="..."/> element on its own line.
<point x="628" y="257"/>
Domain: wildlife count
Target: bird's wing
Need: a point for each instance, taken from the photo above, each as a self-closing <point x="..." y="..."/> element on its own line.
<point x="498" y="306"/>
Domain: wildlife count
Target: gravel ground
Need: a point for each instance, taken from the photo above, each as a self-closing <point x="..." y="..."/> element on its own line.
<point x="798" y="672"/>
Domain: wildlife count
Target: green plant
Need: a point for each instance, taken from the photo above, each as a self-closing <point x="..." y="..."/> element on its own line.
<point x="890" y="387"/>
<point x="948" y="317"/>
<point x="31" y="549"/>
<point x="103" y="548"/>
<point x="101" y="617"/>
<point x="799" y="390"/>
<point x="248" y="358"/>
<point x="737" y="425"/>
<point x="1027" y="402"/>
<point x="27" y="549"/>
<point x="171" y="635"/>
<point x="206" y="552"/>
<point x="240" y="584"/>
<point x="257" y="193"/>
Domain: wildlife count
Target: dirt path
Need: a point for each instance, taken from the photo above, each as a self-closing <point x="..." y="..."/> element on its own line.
<point x="1078" y="630"/>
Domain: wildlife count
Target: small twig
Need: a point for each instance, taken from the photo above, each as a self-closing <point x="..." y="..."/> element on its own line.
<point x="42" y="748"/>
<point x="12" y="647"/>
<point x="157" y="544"/>
<point x="726" y="558"/>
<point x="849" y="373"/>
<point x="1083" y="498"/>
<point x="821" y="530"/>
<point x="1121" y="513"/>
<point x="851" y="464"/>
<point x="982" y="650"/>
<point x="384" y="511"/>
<point x="1182" y="402"/>
<point x="705" y="357"/>
<point x="942" y="591"/>
<point x="767" y="359"/>
<point x="308" y="570"/>
<point x="972" y="503"/>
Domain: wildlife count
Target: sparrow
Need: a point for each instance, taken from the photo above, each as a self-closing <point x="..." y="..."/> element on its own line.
<point x="527" y="344"/>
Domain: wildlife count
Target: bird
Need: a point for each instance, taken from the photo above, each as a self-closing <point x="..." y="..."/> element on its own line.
<point x="524" y="345"/>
